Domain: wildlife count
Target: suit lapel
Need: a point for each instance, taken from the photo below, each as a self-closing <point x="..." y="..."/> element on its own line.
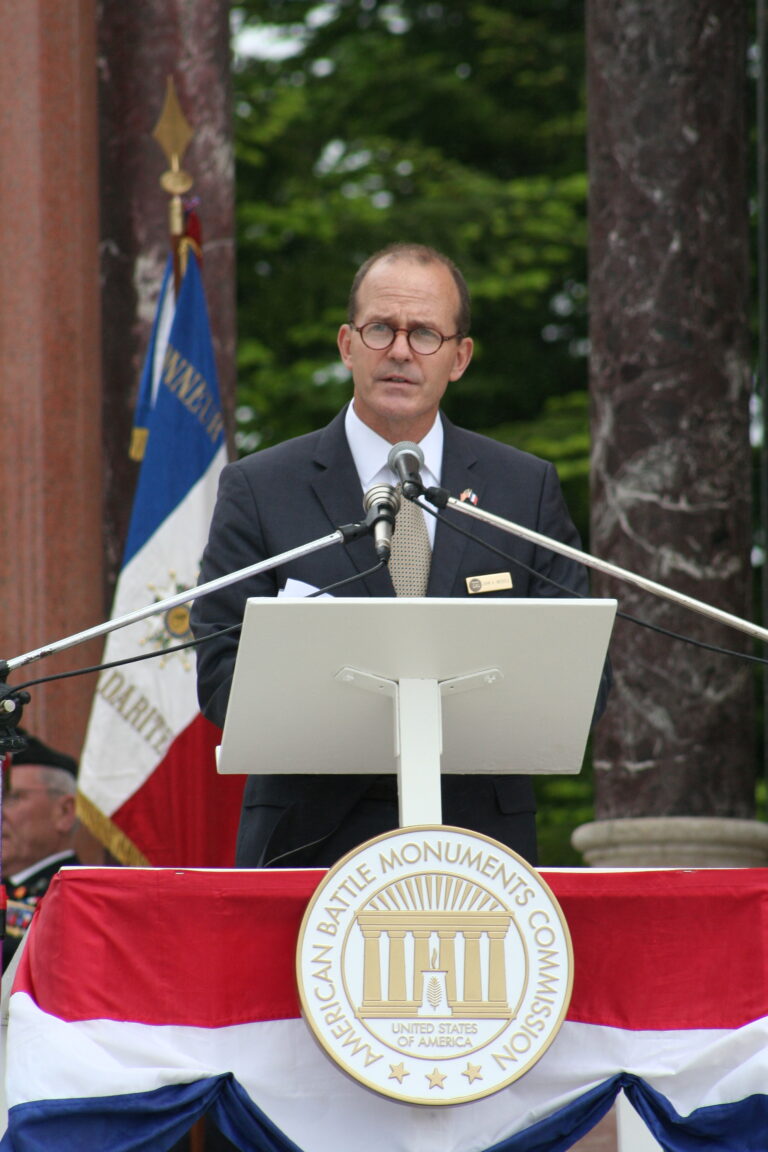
<point x="337" y="487"/>
<point x="461" y="470"/>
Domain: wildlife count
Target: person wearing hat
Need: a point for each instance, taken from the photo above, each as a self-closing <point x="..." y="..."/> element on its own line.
<point x="38" y="826"/>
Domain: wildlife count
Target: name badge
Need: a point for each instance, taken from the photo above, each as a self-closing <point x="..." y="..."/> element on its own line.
<point x="493" y="582"/>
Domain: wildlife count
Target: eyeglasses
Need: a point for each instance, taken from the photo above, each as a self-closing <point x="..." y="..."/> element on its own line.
<point x="423" y="341"/>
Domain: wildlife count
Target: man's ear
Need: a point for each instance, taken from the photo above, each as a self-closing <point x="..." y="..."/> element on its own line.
<point x="66" y="813"/>
<point x="464" y="349"/>
<point x="344" y="341"/>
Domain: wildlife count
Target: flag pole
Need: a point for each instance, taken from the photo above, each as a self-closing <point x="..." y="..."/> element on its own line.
<point x="173" y="133"/>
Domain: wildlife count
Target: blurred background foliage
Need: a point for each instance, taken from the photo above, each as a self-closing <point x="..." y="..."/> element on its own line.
<point x="460" y="124"/>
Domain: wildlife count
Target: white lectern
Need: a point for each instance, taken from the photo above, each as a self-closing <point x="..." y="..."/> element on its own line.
<point x="415" y="686"/>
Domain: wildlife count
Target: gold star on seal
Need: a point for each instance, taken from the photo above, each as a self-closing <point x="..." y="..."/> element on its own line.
<point x="398" y="1072"/>
<point x="436" y="1078"/>
<point x="472" y="1072"/>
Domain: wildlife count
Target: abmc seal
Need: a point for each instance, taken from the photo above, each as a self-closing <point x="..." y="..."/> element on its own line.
<point x="434" y="965"/>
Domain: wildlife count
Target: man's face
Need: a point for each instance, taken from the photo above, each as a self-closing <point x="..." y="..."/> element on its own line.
<point x="36" y="822"/>
<point x="397" y="392"/>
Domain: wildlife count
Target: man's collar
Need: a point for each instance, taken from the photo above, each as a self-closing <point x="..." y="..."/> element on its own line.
<point x="370" y="451"/>
<point x="25" y="873"/>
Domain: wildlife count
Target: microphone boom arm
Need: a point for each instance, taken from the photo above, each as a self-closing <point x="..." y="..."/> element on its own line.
<point x="342" y="535"/>
<point x="438" y="497"/>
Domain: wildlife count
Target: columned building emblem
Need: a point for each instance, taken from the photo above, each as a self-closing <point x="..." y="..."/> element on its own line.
<point x="434" y="965"/>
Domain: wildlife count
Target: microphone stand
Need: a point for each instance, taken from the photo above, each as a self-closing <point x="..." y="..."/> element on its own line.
<point x="12" y="700"/>
<point x="440" y="498"/>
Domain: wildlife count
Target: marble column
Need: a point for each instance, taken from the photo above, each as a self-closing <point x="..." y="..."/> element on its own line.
<point x="140" y="44"/>
<point x="51" y="580"/>
<point x="670" y="383"/>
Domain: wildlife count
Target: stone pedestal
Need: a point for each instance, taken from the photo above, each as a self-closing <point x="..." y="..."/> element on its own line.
<point x="673" y="842"/>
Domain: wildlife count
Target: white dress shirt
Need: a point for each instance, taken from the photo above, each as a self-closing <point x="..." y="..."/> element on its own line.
<point x="370" y="452"/>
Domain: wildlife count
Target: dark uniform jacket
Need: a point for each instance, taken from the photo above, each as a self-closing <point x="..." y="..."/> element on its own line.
<point x="22" y="899"/>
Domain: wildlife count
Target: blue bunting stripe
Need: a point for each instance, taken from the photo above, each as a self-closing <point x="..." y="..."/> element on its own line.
<point x="740" y="1126"/>
<point x="155" y="1121"/>
<point x="143" y="1121"/>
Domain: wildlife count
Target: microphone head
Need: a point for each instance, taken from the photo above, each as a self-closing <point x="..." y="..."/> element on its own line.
<point x="382" y="494"/>
<point x="406" y="456"/>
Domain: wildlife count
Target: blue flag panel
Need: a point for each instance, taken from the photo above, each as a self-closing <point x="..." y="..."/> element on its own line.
<point x="184" y="420"/>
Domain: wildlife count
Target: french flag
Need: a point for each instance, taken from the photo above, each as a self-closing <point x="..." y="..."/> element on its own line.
<point x="146" y="998"/>
<point x="148" y="781"/>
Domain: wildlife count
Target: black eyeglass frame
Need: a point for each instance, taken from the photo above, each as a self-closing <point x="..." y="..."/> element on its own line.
<point x="360" y="328"/>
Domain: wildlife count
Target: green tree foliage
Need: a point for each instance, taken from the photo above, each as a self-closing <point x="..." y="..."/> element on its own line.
<point x="455" y="123"/>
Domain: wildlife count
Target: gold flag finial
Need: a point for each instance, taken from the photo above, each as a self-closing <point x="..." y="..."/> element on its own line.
<point x="173" y="133"/>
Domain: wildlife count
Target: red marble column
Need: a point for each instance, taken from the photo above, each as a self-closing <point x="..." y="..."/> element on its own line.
<point x="51" y="582"/>
<point x="670" y="371"/>
<point x="141" y="43"/>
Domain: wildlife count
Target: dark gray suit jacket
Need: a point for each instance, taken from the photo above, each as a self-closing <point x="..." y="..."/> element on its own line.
<point x="305" y="488"/>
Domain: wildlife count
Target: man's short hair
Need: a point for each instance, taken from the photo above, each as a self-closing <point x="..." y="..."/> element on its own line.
<point x="419" y="254"/>
<point x="58" y="781"/>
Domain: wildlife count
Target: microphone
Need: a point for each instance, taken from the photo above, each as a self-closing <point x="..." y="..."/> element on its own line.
<point x="382" y="503"/>
<point x="406" y="461"/>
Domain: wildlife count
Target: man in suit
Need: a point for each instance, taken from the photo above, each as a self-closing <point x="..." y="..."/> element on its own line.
<point x="38" y="831"/>
<point x="405" y="341"/>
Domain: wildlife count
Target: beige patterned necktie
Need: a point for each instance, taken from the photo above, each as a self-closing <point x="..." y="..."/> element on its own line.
<point x="411" y="554"/>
